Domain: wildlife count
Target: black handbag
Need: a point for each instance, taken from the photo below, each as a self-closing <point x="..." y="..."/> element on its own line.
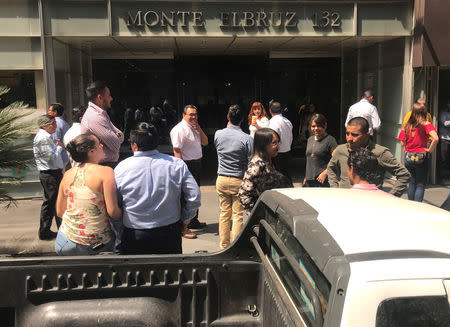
<point x="415" y="158"/>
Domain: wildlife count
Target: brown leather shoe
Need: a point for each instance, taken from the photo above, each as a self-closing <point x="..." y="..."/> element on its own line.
<point x="187" y="233"/>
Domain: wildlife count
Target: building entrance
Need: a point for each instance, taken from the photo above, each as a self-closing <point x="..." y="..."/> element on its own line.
<point x="213" y="83"/>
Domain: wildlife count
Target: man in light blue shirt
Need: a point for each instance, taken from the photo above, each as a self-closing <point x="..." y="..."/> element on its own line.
<point x="151" y="186"/>
<point x="47" y="154"/>
<point x="234" y="150"/>
<point x="57" y="110"/>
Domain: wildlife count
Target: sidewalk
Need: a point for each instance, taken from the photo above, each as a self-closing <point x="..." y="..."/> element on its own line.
<point x="19" y="225"/>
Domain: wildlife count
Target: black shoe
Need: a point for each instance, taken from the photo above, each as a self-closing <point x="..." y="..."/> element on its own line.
<point x="47" y="236"/>
<point x="195" y="224"/>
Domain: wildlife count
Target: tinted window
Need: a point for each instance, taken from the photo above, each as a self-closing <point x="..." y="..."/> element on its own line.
<point x="430" y="311"/>
<point x="307" y="267"/>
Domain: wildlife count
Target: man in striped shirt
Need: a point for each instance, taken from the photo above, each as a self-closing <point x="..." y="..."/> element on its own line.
<point x="96" y="121"/>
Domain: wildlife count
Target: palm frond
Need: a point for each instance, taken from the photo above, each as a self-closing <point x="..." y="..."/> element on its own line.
<point x="14" y="152"/>
<point x="4" y="89"/>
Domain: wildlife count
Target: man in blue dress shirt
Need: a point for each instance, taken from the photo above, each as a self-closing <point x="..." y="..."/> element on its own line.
<point x="150" y="185"/>
<point x="57" y="110"/>
<point x="234" y="150"/>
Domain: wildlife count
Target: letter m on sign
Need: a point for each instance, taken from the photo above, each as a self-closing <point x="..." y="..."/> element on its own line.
<point x="136" y="21"/>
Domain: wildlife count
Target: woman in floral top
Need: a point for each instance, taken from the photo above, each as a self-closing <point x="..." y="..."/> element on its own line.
<point x="87" y="198"/>
<point x="261" y="175"/>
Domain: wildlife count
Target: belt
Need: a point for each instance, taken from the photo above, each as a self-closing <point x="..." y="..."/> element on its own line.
<point x="152" y="229"/>
<point x="229" y="176"/>
<point x="194" y="160"/>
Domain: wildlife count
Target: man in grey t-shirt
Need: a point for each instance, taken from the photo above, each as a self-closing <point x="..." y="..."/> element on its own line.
<point x="234" y="150"/>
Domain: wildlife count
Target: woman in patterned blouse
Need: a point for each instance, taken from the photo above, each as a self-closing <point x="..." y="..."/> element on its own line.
<point x="87" y="198"/>
<point x="261" y="175"/>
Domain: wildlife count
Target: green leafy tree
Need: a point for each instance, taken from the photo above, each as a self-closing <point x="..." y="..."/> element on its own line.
<point x="14" y="151"/>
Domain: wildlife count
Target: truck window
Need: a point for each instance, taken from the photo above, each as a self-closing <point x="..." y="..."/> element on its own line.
<point x="306" y="265"/>
<point x="426" y="311"/>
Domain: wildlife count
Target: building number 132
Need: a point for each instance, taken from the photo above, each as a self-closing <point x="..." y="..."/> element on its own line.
<point x="326" y="19"/>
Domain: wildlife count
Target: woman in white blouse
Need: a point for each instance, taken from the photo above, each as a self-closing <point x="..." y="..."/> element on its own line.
<point x="257" y="118"/>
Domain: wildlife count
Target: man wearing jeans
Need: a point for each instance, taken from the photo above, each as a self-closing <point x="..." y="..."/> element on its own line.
<point x="234" y="150"/>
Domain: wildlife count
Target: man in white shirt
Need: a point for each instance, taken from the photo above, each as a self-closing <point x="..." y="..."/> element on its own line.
<point x="49" y="162"/>
<point x="187" y="139"/>
<point x="283" y="127"/>
<point x="365" y="109"/>
<point x="75" y="130"/>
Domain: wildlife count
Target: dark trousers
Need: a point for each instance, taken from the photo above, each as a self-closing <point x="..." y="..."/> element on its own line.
<point x="282" y="163"/>
<point x="159" y="240"/>
<point x="50" y="180"/>
<point x="195" y="167"/>
<point x="315" y="183"/>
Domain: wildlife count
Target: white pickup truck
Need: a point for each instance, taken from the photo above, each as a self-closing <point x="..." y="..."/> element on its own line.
<point x="372" y="259"/>
<point x="306" y="257"/>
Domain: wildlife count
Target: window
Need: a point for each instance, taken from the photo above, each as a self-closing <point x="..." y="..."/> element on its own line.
<point x="426" y="311"/>
<point x="307" y="267"/>
<point x="22" y="87"/>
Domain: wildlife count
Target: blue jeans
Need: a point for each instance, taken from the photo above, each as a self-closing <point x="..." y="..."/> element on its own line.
<point x="64" y="246"/>
<point x="418" y="180"/>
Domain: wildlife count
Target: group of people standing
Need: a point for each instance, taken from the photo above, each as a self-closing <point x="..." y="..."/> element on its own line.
<point x="146" y="203"/>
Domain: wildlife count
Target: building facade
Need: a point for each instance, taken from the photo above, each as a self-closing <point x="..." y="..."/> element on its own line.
<point x="214" y="53"/>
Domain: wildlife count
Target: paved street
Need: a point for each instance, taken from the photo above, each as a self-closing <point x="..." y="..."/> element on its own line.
<point x="19" y="225"/>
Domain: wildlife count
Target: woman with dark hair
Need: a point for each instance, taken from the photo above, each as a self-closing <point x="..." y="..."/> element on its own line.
<point x="87" y="198"/>
<point x="261" y="175"/>
<point x="257" y="118"/>
<point x="414" y="136"/>
<point x="319" y="148"/>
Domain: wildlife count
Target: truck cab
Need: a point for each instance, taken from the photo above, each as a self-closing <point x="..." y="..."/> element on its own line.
<point x="371" y="259"/>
